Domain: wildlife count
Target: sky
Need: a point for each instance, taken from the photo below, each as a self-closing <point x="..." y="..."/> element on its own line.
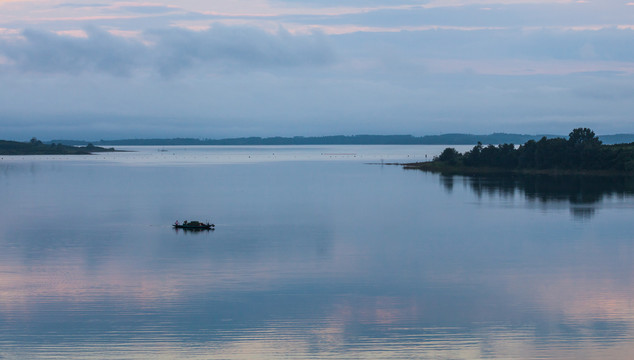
<point x="218" y="68"/>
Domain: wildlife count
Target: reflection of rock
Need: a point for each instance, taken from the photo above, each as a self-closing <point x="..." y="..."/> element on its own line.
<point x="581" y="192"/>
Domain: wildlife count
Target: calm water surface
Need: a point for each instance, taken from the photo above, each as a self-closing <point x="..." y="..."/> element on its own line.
<point x="316" y="254"/>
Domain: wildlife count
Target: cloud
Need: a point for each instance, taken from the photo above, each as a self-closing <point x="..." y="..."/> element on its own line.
<point x="78" y="5"/>
<point x="167" y="51"/>
<point x="238" y="48"/>
<point x="149" y="9"/>
<point x="519" y="66"/>
<point x="99" y="51"/>
<point x="308" y="6"/>
<point x="520" y="14"/>
<point x="348" y="3"/>
<point x="550" y="47"/>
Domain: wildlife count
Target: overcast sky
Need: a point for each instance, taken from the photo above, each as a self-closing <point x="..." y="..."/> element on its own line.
<point x="224" y="68"/>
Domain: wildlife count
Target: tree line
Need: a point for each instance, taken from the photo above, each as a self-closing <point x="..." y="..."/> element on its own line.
<point x="581" y="151"/>
<point x="37" y="147"/>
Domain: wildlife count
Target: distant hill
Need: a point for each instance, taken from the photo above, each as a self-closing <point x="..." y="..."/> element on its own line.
<point x="470" y="139"/>
<point x="617" y="139"/>
<point x="445" y="139"/>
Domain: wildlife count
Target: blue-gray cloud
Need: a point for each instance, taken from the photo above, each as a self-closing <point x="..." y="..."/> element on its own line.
<point x="47" y="52"/>
<point x="610" y="44"/>
<point x="79" y="6"/>
<point x="556" y="15"/>
<point x="148" y="9"/>
<point x="237" y="48"/>
<point x="515" y="68"/>
<point x="348" y="3"/>
<point x="172" y="50"/>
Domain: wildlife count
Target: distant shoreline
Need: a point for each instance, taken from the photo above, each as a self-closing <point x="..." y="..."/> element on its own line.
<point x="445" y="169"/>
<point x="445" y="139"/>
<point x="36" y="147"/>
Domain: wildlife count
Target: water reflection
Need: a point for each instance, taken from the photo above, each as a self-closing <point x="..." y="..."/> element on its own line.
<point x="314" y="260"/>
<point x="190" y="230"/>
<point x="582" y="194"/>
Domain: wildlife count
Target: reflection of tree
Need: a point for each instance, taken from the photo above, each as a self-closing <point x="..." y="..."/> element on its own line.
<point x="581" y="192"/>
<point x="447" y="182"/>
<point x="582" y="213"/>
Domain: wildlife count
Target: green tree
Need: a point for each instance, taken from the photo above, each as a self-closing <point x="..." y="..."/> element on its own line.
<point x="450" y="156"/>
<point x="526" y="156"/>
<point x="472" y="158"/>
<point x="583" y="137"/>
<point x="552" y="154"/>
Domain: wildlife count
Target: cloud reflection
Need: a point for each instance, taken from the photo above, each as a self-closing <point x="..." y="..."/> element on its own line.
<point x="312" y="259"/>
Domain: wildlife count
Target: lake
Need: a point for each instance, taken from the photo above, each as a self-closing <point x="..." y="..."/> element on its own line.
<point x="318" y="252"/>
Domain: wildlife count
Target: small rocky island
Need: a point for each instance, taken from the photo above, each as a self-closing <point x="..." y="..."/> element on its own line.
<point x="36" y="147"/>
<point x="581" y="153"/>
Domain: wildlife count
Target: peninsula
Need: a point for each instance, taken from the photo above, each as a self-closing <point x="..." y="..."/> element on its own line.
<point x="581" y="153"/>
<point x="36" y="147"/>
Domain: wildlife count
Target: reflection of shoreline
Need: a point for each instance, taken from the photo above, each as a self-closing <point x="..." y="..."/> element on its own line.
<point x="582" y="193"/>
<point x="447" y="169"/>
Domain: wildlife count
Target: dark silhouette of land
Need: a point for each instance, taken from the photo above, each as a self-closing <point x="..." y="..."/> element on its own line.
<point x="446" y="139"/>
<point x="36" y="147"/>
<point x="581" y="153"/>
